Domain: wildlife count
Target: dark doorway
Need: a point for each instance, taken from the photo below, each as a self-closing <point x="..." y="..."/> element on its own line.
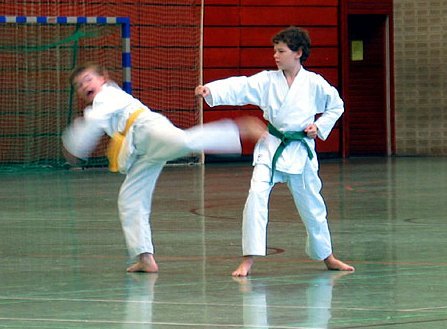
<point x="368" y="110"/>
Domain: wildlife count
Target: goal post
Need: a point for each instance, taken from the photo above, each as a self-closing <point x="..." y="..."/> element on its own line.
<point x="37" y="55"/>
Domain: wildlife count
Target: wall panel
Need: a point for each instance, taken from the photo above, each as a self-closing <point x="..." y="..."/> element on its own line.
<point x="303" y="16"/>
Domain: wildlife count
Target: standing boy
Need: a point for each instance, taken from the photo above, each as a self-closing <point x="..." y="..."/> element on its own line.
<point x="290" y="98"/>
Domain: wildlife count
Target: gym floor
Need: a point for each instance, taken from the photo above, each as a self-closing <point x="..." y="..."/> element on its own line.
<point x="63" y="255"/>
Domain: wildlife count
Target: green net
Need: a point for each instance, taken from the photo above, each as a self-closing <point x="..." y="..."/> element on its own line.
<point x="36" y="100"/>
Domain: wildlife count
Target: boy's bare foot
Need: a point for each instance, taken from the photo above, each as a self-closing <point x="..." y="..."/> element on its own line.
<point x="244" y="267"/>
<point x="334" y="264"/>
<point x="251" y="128"/>
<point x="146" y="263"/>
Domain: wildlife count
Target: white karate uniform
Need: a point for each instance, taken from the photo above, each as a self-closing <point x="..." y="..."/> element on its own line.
<point x="151" y="141"/>
<point x="287" y="109"/>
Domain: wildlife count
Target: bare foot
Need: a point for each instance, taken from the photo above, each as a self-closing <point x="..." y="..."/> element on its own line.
<point x="244" y="267"/>
<point x="146" y="263"/>
<point x="251" y="128"/>
<point x="334" y="264"/>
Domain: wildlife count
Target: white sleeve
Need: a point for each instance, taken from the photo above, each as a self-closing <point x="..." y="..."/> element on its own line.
<point x="81" y="137"/>
<point x="332" y="108"/>
<point x="237" y="91"/>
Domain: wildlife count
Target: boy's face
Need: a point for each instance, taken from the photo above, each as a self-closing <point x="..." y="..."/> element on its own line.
<point x="88" y="84"/>
<point x="285" y="58"/>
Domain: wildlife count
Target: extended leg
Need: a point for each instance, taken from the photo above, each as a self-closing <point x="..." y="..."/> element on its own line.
<point x="305" y="189"/>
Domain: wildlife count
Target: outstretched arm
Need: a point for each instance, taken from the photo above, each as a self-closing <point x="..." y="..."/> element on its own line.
<point x="237" y="91"/>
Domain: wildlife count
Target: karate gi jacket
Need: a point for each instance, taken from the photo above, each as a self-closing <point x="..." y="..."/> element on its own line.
<point x="107" y="114"/>
<point x="287" y="109"/>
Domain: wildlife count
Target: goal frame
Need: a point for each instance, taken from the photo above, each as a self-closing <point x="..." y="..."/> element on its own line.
<point x="98" y="20"/>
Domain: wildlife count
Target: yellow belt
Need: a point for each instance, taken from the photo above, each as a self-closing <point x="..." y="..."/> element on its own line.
<point x="117" y="140"/>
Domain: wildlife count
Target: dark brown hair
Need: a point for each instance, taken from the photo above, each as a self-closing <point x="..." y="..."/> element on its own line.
<point x="295" y="38"/>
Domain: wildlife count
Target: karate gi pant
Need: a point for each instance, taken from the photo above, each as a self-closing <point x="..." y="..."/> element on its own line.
<point x="305" y="189"/>
<point x="156" y="142"/>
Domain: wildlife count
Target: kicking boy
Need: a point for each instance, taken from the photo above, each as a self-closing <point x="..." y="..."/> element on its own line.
<point x="151" y="140"/>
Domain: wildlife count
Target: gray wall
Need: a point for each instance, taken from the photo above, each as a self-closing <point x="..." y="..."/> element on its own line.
<point x="420" y="41"/>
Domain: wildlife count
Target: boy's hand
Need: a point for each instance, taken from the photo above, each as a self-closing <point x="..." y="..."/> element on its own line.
<point x="202" y="91"/>
<point x="71" y="159"/>
<point x="311" y="131"/>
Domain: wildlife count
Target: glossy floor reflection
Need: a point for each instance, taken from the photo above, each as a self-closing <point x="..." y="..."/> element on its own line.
<point x="63" y="256"/>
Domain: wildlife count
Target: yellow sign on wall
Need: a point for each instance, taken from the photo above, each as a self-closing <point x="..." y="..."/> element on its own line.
<point x="357" y="50"/>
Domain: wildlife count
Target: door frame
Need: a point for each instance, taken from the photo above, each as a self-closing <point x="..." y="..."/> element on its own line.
<point x="368" y="7"/>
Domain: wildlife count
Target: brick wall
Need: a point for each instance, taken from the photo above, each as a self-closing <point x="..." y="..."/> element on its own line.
<point x="420" y="28"/>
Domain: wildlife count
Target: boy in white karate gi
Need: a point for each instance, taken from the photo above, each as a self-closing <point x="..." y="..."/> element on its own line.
<point x="150" y="142"/>
<point x="290" y="99"/>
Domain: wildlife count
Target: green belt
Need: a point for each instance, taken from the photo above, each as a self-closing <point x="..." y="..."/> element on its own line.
<point x="286" y="138"/>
